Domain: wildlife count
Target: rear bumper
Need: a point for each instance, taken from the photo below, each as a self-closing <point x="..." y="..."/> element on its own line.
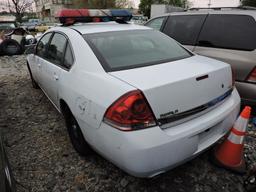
<point x="247" y="92"/>
<point x="152" y="151"/>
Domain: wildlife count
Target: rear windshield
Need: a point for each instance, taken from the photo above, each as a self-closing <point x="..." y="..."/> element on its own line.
<point x="131" y="49"/>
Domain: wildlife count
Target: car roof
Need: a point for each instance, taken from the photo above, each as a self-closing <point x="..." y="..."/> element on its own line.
<point x="214" y="12"/>
<point x="88" y="28"/>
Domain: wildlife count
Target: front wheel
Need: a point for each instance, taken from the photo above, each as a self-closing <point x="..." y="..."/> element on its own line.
<point x="76" y="136"/>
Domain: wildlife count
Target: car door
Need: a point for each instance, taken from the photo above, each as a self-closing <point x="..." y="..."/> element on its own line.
<point x="39" y="58"/>
<point x="230" y="38"/>
<point x="184" y="28"/>
<point x="54" y="66"/>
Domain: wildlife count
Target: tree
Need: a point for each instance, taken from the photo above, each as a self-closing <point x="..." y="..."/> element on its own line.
<point x="101" y="4"/>
<point x="19" y="7"/>
<point x="251" y="3"/>
<point x="122" y="3"/>
<point x="104" y="4"/>
<point x="145" y="5"/>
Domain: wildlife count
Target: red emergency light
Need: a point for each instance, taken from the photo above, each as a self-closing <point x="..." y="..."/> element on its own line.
<point x="71" y="16"/>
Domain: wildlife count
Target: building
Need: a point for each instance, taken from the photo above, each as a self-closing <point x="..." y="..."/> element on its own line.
<point x="46" y="9"/>
<point x="160" y="9"/>
<point x="213" y="3"/>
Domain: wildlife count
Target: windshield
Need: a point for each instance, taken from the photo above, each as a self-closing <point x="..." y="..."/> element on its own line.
<point x="131" y="49"/>
<point x="4" y="26"/>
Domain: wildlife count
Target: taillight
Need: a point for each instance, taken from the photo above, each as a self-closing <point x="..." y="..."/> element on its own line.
<point x="130" y="112"/>
<point x="252" y="76"/>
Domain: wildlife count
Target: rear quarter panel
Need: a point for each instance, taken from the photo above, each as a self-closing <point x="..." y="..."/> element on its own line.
<point x="87" y="89"/>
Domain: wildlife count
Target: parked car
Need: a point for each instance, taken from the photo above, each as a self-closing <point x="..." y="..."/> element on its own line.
<point x="7" y="25"/>
<point x="7" y="182"/>
<point x="228" y="36"/>
<point x="133" y="94"/>
<point x="42" y="27"/>
<point x="29" y="26"/>
<point x="14" y="41"/>
<point x="138" y="19"/>
<point x="45" y="26"/>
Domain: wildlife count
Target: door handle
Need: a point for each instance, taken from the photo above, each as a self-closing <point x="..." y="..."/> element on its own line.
<point x="56" y="77"/>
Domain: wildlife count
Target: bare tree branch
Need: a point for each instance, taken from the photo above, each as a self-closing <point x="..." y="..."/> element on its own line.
<point x="19" y="7"/>
<point x="122" y="3"/>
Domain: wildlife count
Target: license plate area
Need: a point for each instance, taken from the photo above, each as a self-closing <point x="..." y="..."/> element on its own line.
<point x="210" y="135"/>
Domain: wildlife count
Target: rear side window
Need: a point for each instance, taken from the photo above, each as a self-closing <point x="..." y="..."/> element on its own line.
<point x="56" y="49"/>
<point x="122" y="50"/>
<point x="229" y="31"/>
<point x="184" y="28"/>
<point x="156" y="23"/>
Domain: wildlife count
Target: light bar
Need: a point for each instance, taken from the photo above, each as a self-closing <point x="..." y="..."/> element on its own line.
<point x="71" y="16"/>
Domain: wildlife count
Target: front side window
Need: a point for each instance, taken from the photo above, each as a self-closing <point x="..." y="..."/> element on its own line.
<point x="130" y="49"/>
<point x="229" y="31"/>
<point x="42" y="45"/>
<point x="56" y="49"/>
<point x="184" y="28"/>
<point x="156" y="23"/>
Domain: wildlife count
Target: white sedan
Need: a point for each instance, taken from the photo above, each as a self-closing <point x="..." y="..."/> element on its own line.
<point x="133" y="94"/>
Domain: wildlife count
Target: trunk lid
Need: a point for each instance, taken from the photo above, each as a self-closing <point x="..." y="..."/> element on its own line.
<point x="179" y="86"/>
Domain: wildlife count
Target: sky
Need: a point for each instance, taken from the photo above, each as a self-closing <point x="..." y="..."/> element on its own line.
<point x="136" y="2"/>
<point x="196" y="3"/>
<point x="215" y="3"/>
<point x="204" y="3"/>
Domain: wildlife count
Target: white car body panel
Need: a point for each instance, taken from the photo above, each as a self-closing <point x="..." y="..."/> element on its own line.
<point x="177" y="88"/>
<point x="89" y="91"/>
<point x="152" y="151"/>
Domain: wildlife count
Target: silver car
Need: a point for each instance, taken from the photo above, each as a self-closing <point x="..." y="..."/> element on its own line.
<point x="226" y="35"/>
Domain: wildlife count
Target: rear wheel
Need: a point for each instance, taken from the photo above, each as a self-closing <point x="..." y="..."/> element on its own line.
<point x="33" y="82"/>
<point x="76" y="135"/>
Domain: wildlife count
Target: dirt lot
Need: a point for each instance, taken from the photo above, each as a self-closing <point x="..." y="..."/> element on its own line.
<point x="43" y="159"/>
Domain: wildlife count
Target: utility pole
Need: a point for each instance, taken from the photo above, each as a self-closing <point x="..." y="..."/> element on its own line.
<point x="209" y="4"/>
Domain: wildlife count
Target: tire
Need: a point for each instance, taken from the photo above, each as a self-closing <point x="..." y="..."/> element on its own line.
<point x="33" y="82"/>
<point x="76" y="135"/>
<point x="11" y="47"/>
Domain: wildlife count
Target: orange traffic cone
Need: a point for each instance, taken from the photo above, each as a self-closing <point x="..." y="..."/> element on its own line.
<point x="230" y="153"/>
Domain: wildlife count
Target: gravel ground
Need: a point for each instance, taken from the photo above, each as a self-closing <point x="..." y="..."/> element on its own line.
<point x="43" y="159"/>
